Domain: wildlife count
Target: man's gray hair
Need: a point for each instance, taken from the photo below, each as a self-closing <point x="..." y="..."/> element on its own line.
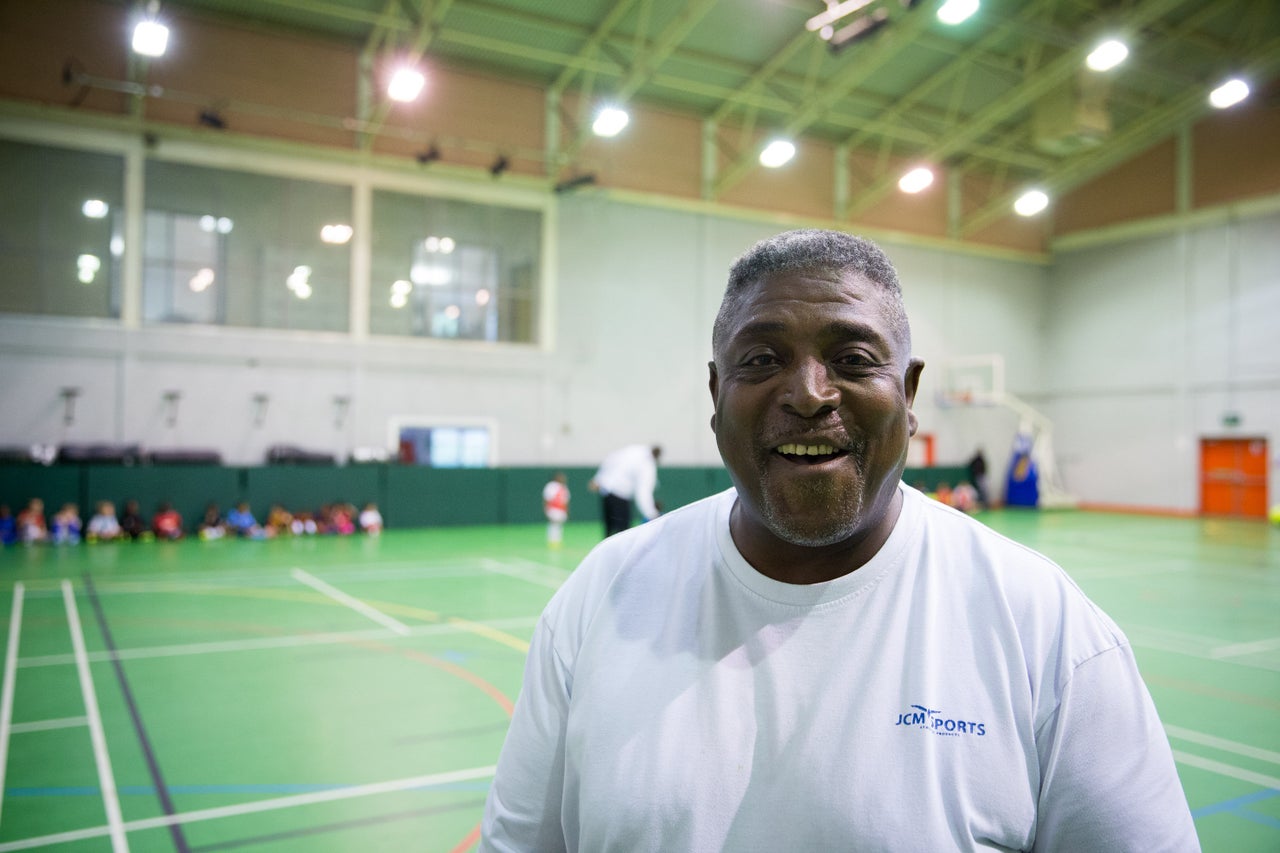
<point x="810" y="249"/>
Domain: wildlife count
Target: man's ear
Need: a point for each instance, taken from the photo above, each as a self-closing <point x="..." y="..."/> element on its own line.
<point x="713" y="385"/>
<point x="911" y="384"/>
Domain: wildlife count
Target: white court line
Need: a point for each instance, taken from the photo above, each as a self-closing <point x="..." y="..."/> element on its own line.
<point x="259" y="806"/>
<point x="1222" y="744"/>
<point x="106" y="780"/>
<point x="50" y="725"/>
<point x="267" y="643"/>
<point x="519" y="574"/>
<point x="1226" y="770"/>
<point x="1237" y="649"/>
<point x="10" y="674"/>
<point x="354" y="603"/>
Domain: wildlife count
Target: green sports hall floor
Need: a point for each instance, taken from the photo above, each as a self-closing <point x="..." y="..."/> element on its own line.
<point x="351" y="694"/>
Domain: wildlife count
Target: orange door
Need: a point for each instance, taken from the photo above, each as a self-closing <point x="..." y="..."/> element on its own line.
<point x="1233" y="477"/>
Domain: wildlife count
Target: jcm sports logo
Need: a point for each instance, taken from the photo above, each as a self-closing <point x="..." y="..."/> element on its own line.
<point x="931" y="720"/>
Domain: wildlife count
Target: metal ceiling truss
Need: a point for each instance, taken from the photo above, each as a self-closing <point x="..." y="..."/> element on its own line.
<point x="912" y="92"/>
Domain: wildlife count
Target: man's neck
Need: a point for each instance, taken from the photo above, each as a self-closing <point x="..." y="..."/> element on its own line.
<point x="788" y="562"/>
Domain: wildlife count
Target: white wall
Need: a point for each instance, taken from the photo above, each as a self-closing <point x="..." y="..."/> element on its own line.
<point x="1151" y="342"/>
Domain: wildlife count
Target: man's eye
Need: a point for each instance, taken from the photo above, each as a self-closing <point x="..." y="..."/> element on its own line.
<point x="764" y="359"/>
<point x="855" y="359"/>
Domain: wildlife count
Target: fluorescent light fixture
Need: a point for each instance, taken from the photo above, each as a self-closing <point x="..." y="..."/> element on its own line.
<point x="117" y="246"/>
<point x="299" y="281"/>
<point x="406" y="84"/>
<point x="482" y="296"/>
<point x="1030" y="203"/>
<point x="399" y="300"/>
<point x="402" y="287"/>
<point x="453" y="312"/>
<point x="777" y="153"/>
<point x="336" y="234"/>
<point x="150" y="38"/>
<point x="834" y="13"/>
<point x="915" y="180"/>
<point x="208" y="223"/>
<point x="1107" y="55"/>
<point x="225" y="225"/>
<point x="955" y="11"/>
<point x="447" y="245"/>
<point x="422" y="273"/>
<point x="95" y="208"/>
<point x="201" y="281"/>
<point x="610" y="121"/>
<point x="88" y="266"/>
<point x="1228" y="94"/>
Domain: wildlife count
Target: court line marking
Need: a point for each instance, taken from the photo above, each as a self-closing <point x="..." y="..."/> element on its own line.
<point x="10" y="677"/>
<point x="282" y="642"/>
<point x="49" y="725"/>
<point x="1236" y="649"/>
<point x="273" y="804"/>
<point x="519" y="573"/>
<point x="1223" y="744"/>
<point x="106" y="780"/>
<point x="354" y="603"/>
<point x="1226" y="769"/>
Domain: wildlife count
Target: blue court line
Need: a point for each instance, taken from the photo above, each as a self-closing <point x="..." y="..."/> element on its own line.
<point x="1236" y="803"/>
<point x="262" y="788"/>
<point x="1238" y="806"/>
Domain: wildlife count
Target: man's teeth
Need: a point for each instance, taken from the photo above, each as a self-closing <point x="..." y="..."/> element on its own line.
<point x="806" y="449"/>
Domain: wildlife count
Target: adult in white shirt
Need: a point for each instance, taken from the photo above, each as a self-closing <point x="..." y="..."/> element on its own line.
<point x="626" y="475"/>
<point x="821" y="658"/>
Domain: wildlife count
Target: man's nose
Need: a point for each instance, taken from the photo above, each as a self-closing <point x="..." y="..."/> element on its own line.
<point x="810" y="391"/>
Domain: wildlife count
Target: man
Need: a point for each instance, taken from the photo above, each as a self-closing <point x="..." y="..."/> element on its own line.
<point x="822" y="658"/>
<point x="626" y="475"/>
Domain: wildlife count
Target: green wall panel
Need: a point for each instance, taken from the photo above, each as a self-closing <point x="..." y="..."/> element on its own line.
<point x="308" y="487"/>
<point x="188" y="487"/>
<point x="54" y="484"/>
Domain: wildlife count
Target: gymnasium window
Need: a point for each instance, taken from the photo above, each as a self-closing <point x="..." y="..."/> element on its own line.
<point x="241" y="249"/>
<point x="444" y="268"/>
<point x="61" y="230"/>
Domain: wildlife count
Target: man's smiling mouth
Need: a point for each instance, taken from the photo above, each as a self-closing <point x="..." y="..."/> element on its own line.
<point x="808" y="454"/>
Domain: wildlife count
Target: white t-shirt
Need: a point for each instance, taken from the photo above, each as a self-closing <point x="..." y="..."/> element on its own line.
<point x="631" y="472"/>
<point x="957" y="692"/>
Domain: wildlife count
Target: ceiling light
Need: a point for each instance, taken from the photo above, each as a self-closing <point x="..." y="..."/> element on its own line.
<point x="955" y="11"/>
<point x="96" y="208"/>
<point x="916" y="180"/>
<point x="447" y="245"/>
<point x="299" y="280"/>
<point x="835" y="11"/>
<point x="336" y="234"/>
<point x="777" y="153"/>
<point x="224" y="225"/>
<point x="406" y="84"/>
<point x="399" y="300"/>
<point x="201" y="280"/>
<point x="482" y="296"/>
<point x="610" y="121"/>
<point x="1030" y="203"/>
<point x="1107" y="55"/>
<point x="453" y="312"/>
<point x="150" y="38"/>
<point x="1228" y="94"/>
<point x="401" y="287"/>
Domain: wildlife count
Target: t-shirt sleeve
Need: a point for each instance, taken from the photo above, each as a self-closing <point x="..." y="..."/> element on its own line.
<point x="1108" y="780"/>
<point x="523" y="808"/>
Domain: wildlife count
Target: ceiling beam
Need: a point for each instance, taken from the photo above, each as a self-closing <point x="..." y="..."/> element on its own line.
<point x="1137" y="137"/>
<point x="433" y="13"/>
<point x="1021" y="97"/>
<point x="860" y="65"/>
<point x="644" y="66"/>
<point x="593" y="45"/>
